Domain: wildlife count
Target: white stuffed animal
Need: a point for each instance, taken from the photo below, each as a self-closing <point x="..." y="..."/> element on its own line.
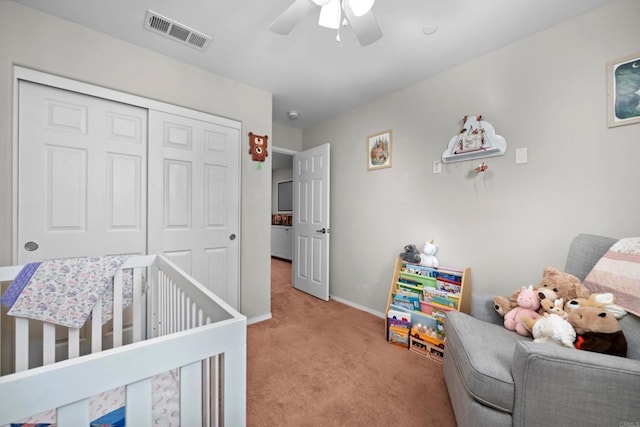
<point x="428" y="255"/>
<point x="551" y="328"/>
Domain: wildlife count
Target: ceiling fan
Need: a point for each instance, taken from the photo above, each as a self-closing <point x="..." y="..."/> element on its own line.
<point x="333" y="14"/>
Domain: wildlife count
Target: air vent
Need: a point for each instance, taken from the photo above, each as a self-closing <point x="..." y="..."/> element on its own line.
<point x="176" y="31"/>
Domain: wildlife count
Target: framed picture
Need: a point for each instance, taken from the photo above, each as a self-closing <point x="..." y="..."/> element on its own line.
<point x="623" y="90"/>
<point x="379" y="150"/>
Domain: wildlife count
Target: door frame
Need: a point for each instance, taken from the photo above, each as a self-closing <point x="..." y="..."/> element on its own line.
<point x="23" y="73"/>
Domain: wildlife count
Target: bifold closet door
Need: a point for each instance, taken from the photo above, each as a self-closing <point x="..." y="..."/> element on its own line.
<point x="194" y="188"/>
<point x="82" y="175"/>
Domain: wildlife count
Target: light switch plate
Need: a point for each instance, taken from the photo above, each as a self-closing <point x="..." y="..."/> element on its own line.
<point x="437" y="166"/>
<point x="521" y="155"/>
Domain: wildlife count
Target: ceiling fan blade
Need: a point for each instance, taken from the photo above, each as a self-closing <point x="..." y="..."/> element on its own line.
<point x="365" y="27"/>
<point x="290" y="17"/>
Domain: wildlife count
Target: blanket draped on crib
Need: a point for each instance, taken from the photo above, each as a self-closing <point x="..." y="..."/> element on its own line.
<point x="65" y="291"/>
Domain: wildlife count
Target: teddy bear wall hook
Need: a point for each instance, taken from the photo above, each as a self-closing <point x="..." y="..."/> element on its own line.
<point x="258" y="148"/>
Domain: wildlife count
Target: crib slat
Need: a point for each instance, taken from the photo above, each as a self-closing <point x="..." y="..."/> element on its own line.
<point x="117" y="309"/>
<point x="48" y="343"/>
<point x="212" y="391"/>
<point x="73" y="342"/>
<point x="139" y="404"/>
<point x="96" y="327"/>
<point x="73" y="415"/>
<point x="137" y="305"/>
<point x="190" y="394"/>
<point x="22" y="344"/>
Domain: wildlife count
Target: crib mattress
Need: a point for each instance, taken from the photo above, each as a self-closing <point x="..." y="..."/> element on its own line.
<point x="165" y="403"/>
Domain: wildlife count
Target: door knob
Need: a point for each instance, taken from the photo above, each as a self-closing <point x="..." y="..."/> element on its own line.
<point x="232" y="237"/>
<point x="31" y="246"/>
<point x="323" y="231"/>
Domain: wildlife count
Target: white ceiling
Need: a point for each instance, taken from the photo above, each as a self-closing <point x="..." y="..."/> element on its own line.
<point x="307" y="70"/>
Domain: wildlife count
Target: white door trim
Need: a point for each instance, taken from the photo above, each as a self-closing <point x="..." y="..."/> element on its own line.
<point x="23" y="73"/>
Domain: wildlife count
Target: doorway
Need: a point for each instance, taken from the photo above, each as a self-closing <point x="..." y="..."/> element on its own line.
<point x="281" y="235"/>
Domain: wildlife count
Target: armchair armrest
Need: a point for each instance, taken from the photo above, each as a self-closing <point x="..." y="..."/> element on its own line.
<point x="579" y="387"/>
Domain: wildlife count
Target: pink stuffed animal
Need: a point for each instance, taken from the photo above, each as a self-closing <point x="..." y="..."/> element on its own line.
<point x="528" y="304"/>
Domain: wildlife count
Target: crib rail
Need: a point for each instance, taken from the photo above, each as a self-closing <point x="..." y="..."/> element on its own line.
<point x="183" y="326"/>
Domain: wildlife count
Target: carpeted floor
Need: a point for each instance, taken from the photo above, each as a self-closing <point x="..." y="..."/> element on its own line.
<point x="319" y="363"/>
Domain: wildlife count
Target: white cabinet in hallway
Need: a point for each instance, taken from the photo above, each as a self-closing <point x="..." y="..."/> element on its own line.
<point x="282" y="241"/>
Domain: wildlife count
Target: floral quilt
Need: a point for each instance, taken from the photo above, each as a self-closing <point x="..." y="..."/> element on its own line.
<point x="65" y="291"/>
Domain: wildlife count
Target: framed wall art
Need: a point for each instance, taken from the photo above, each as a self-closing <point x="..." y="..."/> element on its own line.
<point x="379" y="150"/>
<point x="623" y="90"/>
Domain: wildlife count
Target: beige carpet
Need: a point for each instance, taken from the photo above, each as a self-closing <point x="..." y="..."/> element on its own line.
<point x="319" y="363"/>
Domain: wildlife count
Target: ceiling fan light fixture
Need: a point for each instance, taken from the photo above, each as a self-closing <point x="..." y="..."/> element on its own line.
<point x="360" y="7"/>
<point x="330" y="15"/>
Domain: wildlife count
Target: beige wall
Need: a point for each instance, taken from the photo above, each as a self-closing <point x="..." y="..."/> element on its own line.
<point x="546" y="93"/>
<point x="45" y="43"/>
<point x="286" y="137"/>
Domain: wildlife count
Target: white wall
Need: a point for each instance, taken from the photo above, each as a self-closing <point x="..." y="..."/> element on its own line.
<point x="39" y="41"/>
<point x="547" y="93"/>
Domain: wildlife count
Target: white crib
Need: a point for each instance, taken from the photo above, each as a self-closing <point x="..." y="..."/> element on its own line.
<point x="176" y="325"/>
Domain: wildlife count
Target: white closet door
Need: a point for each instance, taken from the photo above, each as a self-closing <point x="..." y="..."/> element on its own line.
<point x="194" y="187"/>
<point x="81" y="175"/>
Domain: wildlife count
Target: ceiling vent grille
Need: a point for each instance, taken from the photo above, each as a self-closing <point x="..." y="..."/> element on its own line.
<point x="176" y="31"/>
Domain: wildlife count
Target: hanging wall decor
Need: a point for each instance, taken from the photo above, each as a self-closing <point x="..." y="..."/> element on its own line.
<point x="258" y="148"/>
<point x="379" y="150"/>
<point x="476" y="140"/>
<point x="623" y="90"/>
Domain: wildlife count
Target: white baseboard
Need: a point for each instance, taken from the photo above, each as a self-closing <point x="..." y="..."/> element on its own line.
<point x="358" y="306"/>
<point x="259" y="319"/>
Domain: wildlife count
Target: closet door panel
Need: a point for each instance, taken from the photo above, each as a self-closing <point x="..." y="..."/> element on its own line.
<point x="198" y="163"/>
<point x="81" y="175"/>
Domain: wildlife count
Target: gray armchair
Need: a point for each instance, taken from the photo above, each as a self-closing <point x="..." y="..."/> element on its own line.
<point x="496" y="377"/>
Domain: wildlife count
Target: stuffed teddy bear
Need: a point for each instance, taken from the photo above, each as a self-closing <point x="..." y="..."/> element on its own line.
<point x="528" y="304"/>
<point x="554" y="284"/>
<point x="597" y="330"/>
<point x="411" y="254"/>
<point x="551" y="328"/>
<point x="428" y="255"/>
<point x="502" y="305"/>
<point x="603" y="300"/>
<point x="565" y="285"/>
<point x="554" y="307"/>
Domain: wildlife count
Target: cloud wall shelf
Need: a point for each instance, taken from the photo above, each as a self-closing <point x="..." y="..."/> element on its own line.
<point x="476" y="140"/>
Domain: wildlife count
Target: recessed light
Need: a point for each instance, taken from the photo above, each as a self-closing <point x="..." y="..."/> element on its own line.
<point x="429" y="29"/>
<point x="293" y="115"/>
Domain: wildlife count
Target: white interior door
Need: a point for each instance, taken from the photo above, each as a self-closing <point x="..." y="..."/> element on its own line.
<point x="311" y="221"/>
<point x="81" y="175"/>
<point x="194" y="188"/>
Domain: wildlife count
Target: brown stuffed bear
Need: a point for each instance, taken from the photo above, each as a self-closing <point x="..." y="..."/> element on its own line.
<point x="603" y="300"/>
<point x="502" y="305"/>
<point x="565" y="285"/>
<point x="597" y="330"/>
